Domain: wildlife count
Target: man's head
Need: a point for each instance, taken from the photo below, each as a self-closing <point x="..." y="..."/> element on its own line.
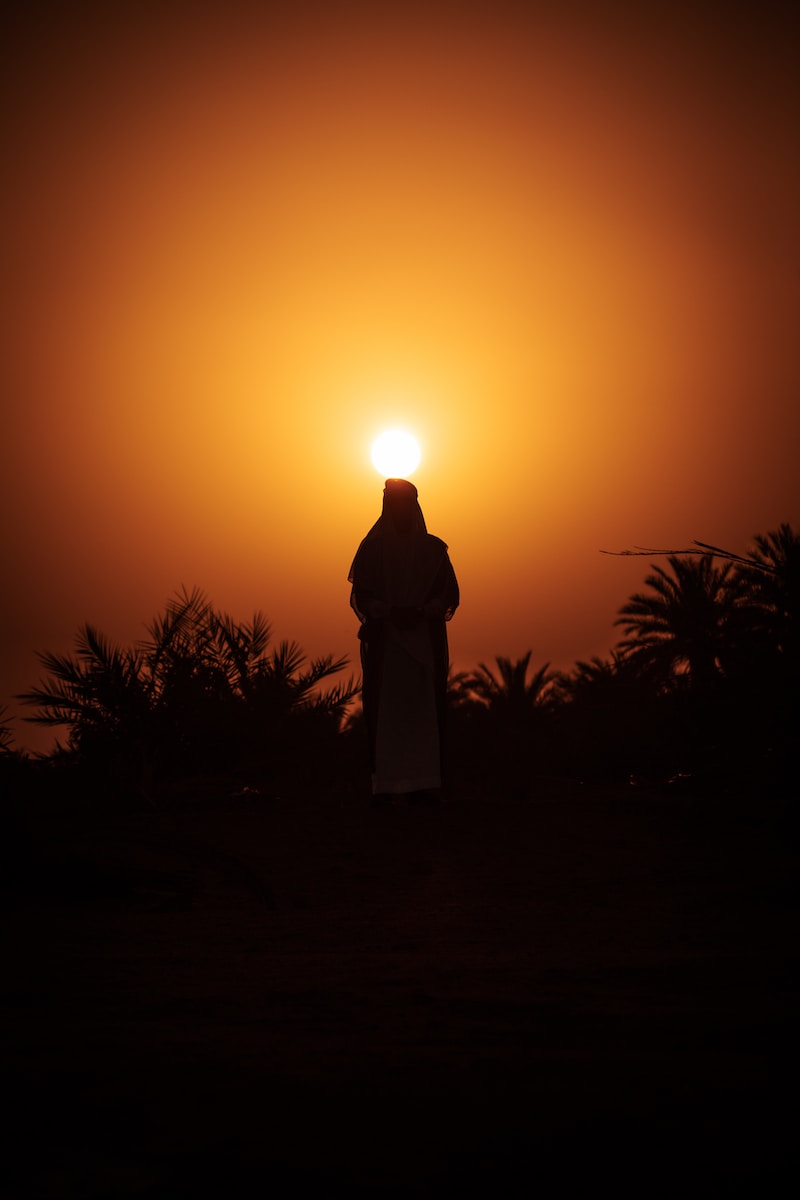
<point x="400" y="505"/>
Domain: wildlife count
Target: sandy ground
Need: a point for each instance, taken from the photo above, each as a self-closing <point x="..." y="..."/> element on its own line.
<point x="583" y="989"/>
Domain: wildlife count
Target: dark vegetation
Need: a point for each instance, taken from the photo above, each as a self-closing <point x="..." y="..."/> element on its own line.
<point x="201" y="697"/>
<point x="701" y="689"/>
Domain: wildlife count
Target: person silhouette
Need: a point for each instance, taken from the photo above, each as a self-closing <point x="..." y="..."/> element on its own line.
<point x="404" y="591"/>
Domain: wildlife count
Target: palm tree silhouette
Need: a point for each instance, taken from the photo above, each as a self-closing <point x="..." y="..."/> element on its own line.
<point x="595" y="676"/>
<point x="767" y="666"/>
<point x="771" y="592"/>
<point x="682" y="627"/>
<point x="98" y="690"/>
<point x="200" y="691"/>
<point x="510" y="693"/>
<point x="499" y="713"/>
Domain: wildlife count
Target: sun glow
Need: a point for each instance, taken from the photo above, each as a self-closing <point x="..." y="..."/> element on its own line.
<point x="395" y="454"/>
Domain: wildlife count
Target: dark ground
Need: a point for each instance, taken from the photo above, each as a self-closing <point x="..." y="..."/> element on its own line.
<point x="585" y="989"/>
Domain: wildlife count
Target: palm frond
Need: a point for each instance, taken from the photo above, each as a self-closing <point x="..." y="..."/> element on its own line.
<point x="185" y="611"/>
<point x="285" y="661"/>
<point x="6" y="735"/>
<point x="96" y="651"/>
<point x="321" y="668"/>
<point x="510" y="686"/>
<point x="335" y="700"/>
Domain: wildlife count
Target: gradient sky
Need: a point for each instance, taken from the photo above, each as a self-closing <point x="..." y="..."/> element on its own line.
<point x="558" y="243"/>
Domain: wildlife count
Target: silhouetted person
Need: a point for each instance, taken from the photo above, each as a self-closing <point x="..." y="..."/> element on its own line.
<point x="404" y="591"/>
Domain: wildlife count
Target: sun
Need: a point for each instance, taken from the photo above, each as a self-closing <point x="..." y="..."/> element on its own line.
<point x="395" y="454"/>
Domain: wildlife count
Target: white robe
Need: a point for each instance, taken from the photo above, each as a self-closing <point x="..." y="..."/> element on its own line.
<point x="407" y="737"/>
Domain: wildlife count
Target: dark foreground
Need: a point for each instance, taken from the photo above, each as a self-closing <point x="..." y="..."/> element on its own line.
<point x="589" y="989"/>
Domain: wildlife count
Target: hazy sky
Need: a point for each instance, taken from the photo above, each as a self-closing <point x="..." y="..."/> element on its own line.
<point x="558" y="243"/>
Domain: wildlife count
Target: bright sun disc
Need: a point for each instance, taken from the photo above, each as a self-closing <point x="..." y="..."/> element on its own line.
<point x="395" y="454"/>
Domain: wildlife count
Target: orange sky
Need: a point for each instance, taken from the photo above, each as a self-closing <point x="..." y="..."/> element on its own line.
<point x="560" y="248"/>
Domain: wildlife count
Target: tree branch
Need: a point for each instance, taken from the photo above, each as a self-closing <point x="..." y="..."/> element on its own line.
<point x="701" y="548"/>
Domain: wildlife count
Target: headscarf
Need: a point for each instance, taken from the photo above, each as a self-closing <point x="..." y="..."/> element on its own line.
<point x="402" y="566"/>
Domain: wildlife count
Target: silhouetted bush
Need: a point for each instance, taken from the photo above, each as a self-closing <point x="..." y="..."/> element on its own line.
<point x="201" y="694"/>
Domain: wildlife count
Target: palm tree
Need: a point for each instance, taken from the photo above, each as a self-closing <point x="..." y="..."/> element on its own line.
<point x="681" y="627"/>
<point x="768" y="661"/>
<point x="510" y="692"/>
<point x="201" y="691"/>
<point x="597" y="677"/>
<point x="506" y="721"/>
<point x="770" y="589"/>
<point x="95" y="693"/>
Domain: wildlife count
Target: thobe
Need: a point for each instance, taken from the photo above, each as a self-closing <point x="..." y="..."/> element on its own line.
<point x="404" y="590"/>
